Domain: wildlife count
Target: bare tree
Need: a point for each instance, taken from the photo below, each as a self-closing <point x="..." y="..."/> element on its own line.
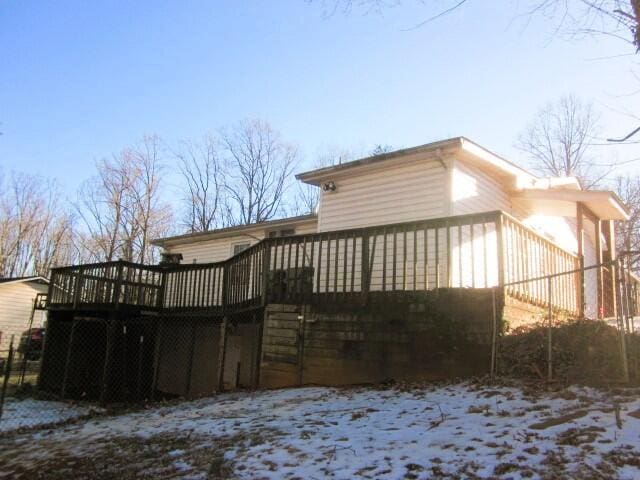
<point x="617" y="18"/>
<point x="558" y="140"/>
<point x="306" y="197"/>
<point x="203" y="172"/>
<point x="628" y="233"/>
<point x="151" y="215"/>
<point x="121" y="209"/>
<point x="35" y="228"/>
<point x="260" y="165"/>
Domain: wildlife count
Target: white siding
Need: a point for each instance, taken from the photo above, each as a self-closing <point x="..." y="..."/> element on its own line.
<point x="219" y="249"/>
<point x="16" y="302"/>
<point x="405" y="191"/>
<point x="552" y="220"/>
<point x="474" y="190"/>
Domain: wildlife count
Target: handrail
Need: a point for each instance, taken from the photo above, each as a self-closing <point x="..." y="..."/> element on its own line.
<point x="537" y="234"/>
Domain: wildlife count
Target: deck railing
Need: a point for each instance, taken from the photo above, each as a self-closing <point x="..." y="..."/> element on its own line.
<point x="108" y="284"/>
<point x="467" y="251"/>
<point x="527" y="255"/>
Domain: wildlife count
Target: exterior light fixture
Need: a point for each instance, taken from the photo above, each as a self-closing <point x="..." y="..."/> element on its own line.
<point x="329" y="186"/>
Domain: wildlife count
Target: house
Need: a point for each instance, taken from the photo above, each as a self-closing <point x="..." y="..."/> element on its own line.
<point x="438" y="180"/>
<point x="407" y="247"/>
<point x="17" y="296"/>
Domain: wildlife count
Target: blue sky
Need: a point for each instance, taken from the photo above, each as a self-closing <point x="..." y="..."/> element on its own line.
<point x="80" y="80"/>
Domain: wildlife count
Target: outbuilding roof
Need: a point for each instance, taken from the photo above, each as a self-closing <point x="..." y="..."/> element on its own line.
<point x="35" y="278"/>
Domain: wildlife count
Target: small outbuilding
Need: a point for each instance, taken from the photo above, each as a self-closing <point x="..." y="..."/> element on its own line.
<point x="17" y="297"/>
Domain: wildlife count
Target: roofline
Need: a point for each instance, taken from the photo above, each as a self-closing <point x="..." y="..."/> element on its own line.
<point x="237" y="229"/>
<point x="556" y="194"/>
<point x="35" y="278"/>
<point x="454" y="143"/>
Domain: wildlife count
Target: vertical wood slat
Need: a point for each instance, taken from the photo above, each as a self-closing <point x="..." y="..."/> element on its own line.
<point x="449" y="259"/>
<point x="344" y="265"/>
<point x="437" y="253"/>
<point x="394" y="259"/>
<point x="415" y="256"/>
<point x="425" y="231"/>
<point x="460" y="267"/>
<point x="353" y="263"/>
<point x="384" y="260"/>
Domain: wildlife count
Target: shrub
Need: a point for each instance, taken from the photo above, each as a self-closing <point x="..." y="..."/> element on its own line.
<point x="584" y="351"/>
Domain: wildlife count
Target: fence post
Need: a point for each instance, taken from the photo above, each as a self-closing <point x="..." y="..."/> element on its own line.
<point x="628" y="318"/>
<point x="549" y="334"/>
<point x="27" y="346"/>
<point x="494" y="335"/>
<point x="7" y="374"/>
<point x="620" y="314"/>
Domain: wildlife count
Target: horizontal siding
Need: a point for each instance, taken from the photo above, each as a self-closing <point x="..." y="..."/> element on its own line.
<point x="16" y="302"/>
<point x="414" y="190"/>
<point x="218" y="250"/>
<point x="474" y="190"/>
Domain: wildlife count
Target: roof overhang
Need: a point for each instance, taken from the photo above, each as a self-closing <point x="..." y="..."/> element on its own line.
<point x="37" y="279"/>
<point x="239" y="230"/>
<point x="461" y="146"/>
<point x="606" y="205"/>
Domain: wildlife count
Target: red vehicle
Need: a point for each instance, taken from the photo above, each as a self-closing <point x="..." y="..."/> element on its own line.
<point x="31" y="342"/>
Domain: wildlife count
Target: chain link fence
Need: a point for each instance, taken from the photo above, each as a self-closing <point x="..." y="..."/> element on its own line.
<point x="554" y="333"/>
<point x="543" y="327"/>
<point x="129" y="358"/>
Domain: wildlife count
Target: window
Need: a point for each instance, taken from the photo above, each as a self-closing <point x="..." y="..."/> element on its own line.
<point x="285" y="232"/>
<point x="240" y="247"/>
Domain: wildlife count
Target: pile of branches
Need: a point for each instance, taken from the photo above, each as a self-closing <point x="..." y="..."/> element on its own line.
<point x="584" y="351"/>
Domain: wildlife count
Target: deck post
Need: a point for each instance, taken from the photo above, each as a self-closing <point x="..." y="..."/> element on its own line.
<point x="499" y="223"/>
<point x="599" y="260"/>
<point x="266" y="264"/>
<point x="163" y="280"/>
<point x="67" y="362"/>
<point x="108" y="357"/>
<point x="118" y="285"/>
<point x="494" y="334"/>
<point x="223" y="348"/>
<point x="191" y="353"/>
<point x="156" y="358"/>
<point x="550" y="333"/>
<point x="580" y="275"/>
<point x="78" y="287"/>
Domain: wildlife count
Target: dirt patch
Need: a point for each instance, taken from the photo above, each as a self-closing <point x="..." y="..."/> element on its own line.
<point x="552" y="422"/>
<point x="163" y="456"/>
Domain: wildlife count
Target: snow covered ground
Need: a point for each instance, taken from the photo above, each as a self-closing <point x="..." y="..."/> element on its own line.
<point x="464" y="430"/>
<point x="33" y="413"/>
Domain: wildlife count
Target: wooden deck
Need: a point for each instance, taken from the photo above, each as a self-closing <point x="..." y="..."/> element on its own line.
<point x="348" y="267"/>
